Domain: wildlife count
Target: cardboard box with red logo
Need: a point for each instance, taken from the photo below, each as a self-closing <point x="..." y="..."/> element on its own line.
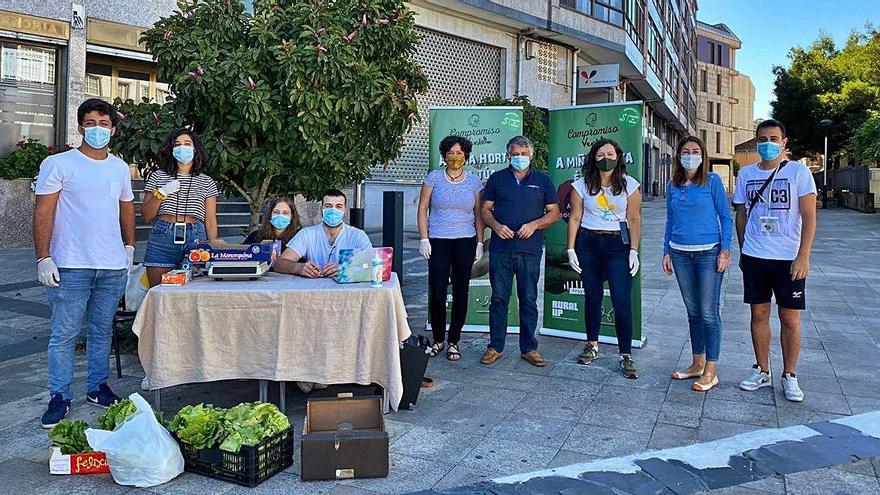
<point x="218" y="251"/>
<point x="93" y="463"/>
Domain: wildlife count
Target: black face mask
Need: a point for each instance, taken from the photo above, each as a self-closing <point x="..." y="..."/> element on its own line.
<point x="606" y="164"/>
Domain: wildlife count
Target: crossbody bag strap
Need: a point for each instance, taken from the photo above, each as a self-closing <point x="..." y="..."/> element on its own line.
<point x="766" y="183"/>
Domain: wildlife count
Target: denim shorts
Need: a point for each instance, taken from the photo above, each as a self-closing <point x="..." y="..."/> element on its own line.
<point x="161" y="250"/>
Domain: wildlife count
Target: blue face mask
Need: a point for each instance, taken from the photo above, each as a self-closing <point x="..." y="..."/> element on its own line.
<point x="96" y="136"/>
<point x="520" y="163"/>
<point x="183" y="154"/>
<point x="280" y="222"/>
<point x="769" y="150"/>
<point x="332" y="217"/>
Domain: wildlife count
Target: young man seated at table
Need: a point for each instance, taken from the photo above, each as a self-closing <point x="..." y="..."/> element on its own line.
<point x="318" y="246"/>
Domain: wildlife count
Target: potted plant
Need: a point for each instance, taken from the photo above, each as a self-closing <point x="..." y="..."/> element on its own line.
<point x="17" y="173"/>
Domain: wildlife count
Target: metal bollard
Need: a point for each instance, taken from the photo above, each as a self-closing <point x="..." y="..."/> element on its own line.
<point x="392" y="228"/>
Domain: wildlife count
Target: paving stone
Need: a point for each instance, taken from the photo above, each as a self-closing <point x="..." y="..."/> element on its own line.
<point x="740" y="412"/>
<point x="24" y="474"/>
<point x="635" y="419"/>
<point x="711" y="429"/>
<point x="530" y="429"/>
<point x="864" y="467"/>
<point x="460" y="476"/>
<point x="605" y="442"/>
<point x="192" y="484"/>
<point x="681" y="414"/>
<point x="860" y="405"/>
<point x="434" y="443"/>
<point x="499" y="457"/>
<point x="467" y="418"/>
<point x="406" y="474"/>
<point x="816" y="401"/>
<point x="622" y="396"/>
<point x="665" y="436"/>
<point x="567" y="457"/>
<point x="551" y="407"/>
<point x="831" y="481"/>
<point x="563" y="387"/>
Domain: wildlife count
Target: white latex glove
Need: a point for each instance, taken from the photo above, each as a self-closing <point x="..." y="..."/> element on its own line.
<point x="129" y="254"/>
<point x="573" y="261"/>
<point x="47" y="273"/>
<point x="633" y="262"/>
<point x="425" y="248"/>
<point x="170" y="187"/>
<point x="479" y="253"/>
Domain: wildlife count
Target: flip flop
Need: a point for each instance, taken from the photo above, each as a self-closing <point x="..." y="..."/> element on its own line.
<point x="698" y="387"/>
<point x="681" y="375"/>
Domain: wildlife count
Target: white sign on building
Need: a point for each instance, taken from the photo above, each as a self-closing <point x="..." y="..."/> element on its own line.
<point x="598" y="76"/>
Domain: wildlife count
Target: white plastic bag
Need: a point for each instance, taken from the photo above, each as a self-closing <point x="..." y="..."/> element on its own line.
<point x="136" y="288"/>
<point x="140" y="451"/>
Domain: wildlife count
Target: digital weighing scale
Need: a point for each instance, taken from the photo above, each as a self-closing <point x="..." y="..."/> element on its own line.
<point x="237" y="270"/>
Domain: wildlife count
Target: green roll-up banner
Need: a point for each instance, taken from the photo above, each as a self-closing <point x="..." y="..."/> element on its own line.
<point x="573" y="131"/>
<point x="489" y="129"/>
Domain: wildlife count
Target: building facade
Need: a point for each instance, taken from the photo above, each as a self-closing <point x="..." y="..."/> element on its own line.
<point x="473" y="49"/>
<point x="56" y="53"/>
<point x="725" y="98"/>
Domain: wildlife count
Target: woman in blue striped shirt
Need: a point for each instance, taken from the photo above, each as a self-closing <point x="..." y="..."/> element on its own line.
<point x="697" y="249"/>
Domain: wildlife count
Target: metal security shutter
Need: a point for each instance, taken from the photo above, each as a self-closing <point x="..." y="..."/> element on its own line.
<point x="460" y="72"/>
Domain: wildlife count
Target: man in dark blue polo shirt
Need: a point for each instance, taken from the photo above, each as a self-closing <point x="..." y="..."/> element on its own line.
<point x="518" y="204"/>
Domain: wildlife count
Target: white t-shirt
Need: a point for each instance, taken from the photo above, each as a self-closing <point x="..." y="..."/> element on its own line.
<point x="605" y="211"/>
<point x="773" y="230"/>
<point x="86" y="232"/>
<point x="312" y="243"/>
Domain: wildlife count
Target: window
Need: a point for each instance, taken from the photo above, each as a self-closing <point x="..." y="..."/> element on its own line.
<point x="711" y="52"/>
<point x="710" y="112"/>
<point x="717" y="142"/>
<point x="108" y="78"/>
<point x="718" y="86"/>
<point x="718" y="52"/>
<point x="718" y="113"/>
<point x="703" y="79"/>
<point x="655" y="51"/>
<point x="27" y="94"/>
<point x="610" y="11"/>
<point x="703" y="136"/>
<point x="635" y="22"/>
<point x="547" y="60"/>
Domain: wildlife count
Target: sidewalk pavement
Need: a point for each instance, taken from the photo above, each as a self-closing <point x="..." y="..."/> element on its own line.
<point x="485" y="422"/>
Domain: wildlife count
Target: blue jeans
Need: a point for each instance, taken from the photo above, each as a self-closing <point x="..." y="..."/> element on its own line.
<point x="86" y="298"/>
<point x="527" y="269"/>
<point x="161" y="250"/>
<point x="605" y="257"/>
<point x="700" y="285"/>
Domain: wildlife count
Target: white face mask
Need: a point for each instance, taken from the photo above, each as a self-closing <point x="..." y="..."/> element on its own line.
<point x="691" y="162"/>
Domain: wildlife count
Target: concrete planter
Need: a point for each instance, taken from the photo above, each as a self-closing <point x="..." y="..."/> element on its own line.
<point x="16" y="213"/>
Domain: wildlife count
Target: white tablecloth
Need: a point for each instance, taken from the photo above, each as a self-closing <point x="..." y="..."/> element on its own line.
<point x="280" y="328"/>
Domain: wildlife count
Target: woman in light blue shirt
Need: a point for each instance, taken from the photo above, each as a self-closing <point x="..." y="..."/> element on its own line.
<point x="697" y="249"/>
<point x="451" y="233"/>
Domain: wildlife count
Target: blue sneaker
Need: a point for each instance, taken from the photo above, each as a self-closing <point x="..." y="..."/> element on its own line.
<point x="57" y="410"/>
<point x="103" y="397"/>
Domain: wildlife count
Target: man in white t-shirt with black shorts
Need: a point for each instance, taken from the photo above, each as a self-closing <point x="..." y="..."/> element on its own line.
<point x="775" y="203"/>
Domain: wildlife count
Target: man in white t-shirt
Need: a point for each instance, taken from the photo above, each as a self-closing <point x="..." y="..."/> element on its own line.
<point x="775" y="203"/>
<point x="84" y="240"/>
<point x="320" y="244"/>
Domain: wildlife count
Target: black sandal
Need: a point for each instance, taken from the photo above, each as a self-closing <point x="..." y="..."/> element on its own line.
<point x="453" y="354"/>
<point x="437" y="348"/>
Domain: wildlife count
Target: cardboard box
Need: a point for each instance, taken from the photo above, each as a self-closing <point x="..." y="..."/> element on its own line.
<point x="209" y="252"/>
<point x="94" y="463"/>
<point x="344" y="437"/>
<point x="176" y="277"/>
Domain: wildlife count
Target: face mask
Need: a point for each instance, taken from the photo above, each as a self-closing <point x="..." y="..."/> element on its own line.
<point x="769" y="150"/>
<point x="332" y="217"/>
<point x="455" y="162"/>
<point x="183" y="154"/>
<point x="606" y="164"/>
<point x="279" y="221"/>
<point x="520" y="163"/>
<point x="96" y="136"/>
<point x="691" y="162"/>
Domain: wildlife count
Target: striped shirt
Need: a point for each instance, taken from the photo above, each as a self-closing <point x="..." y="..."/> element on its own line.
<point x="189" y="200"/>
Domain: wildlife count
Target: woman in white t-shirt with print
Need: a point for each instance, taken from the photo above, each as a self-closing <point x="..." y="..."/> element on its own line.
<point x="603" y="241"/>
<point x="181" y="202"/>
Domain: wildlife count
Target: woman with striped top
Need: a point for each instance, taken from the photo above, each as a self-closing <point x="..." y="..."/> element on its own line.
<point x="181" y="201"/>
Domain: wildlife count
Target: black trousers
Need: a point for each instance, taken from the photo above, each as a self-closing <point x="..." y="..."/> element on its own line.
<point x="450" y="258"/>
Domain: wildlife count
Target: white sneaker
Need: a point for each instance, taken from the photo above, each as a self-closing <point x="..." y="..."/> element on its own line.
<point x="760" y="379"/>
<point x="145" y="384"/>
<point x="790" y="386"/>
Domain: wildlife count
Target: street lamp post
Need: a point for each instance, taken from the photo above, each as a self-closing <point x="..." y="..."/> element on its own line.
<point x="825" y="124"/>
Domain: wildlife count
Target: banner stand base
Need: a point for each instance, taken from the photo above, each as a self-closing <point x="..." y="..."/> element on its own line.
<point x="604" y="339"/>
<point x="481" y="329"/>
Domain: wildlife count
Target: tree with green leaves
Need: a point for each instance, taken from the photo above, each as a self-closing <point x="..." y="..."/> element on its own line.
<point x="298" y="97"/>
<point x="824" y="82"/>
<point x="533" y="126"/>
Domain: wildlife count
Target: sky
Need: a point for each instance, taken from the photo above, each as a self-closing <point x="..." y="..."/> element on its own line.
<point x="769" y="29"/>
